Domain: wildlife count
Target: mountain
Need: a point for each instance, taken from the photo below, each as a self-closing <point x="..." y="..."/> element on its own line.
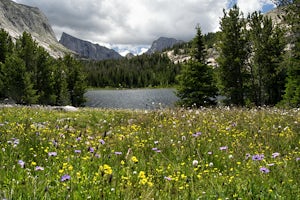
<point x="129" y="55"/>
<point x="87" y="49"/>
<point x="162" y="43"/>
<point x="277" y="15"/>
<point x="16" y="18"/>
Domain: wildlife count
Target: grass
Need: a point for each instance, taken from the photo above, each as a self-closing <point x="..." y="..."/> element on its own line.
<point x="226" y="153"/>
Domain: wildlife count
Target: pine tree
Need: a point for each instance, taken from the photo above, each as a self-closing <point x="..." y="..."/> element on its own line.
<point x="292" y="92"/>
<point x="6" y="49"/>
<point x="233" y="56"/>
<point x="29" y="95"/>
<point x="26" y="49"/>
<point x="61" y="84"/>
<point x="6" y="45"/>
<point x="2" y="81"/>
<point x="267" y="45"/>
<point x="198" y="48"/>
<point x="18" y="81"/>
<point x="196" y="85"/>
<point x="76" y="80"/>
<point x="45" y="80"/>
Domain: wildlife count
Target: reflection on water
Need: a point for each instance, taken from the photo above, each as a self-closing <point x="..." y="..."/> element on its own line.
<point x="131" y="98"/>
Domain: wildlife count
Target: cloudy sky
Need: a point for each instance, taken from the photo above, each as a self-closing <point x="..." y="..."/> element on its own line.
<point x="132" y="24"/>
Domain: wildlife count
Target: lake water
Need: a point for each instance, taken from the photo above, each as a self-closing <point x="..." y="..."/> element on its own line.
<point x="131" y="98"/>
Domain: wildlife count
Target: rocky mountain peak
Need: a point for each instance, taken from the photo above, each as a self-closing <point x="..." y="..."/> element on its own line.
<point x="86" y="49"/>
<point x="16" y="18"/>
<point x="162" y="43"/>
<point x="129" y="55"/>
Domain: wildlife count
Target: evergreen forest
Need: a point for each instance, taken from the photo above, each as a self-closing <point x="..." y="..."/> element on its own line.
<point x="29" y="75"/>
<point x="155" y="70"/>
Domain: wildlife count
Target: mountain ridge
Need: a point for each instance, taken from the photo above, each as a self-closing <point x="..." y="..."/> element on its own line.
<point x="162" y="43"/>
<point x="86" y="49"/>
<point x="16" y="18"/>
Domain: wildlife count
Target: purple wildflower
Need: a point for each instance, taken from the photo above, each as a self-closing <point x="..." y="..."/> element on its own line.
<point x="102" y="141"/>
<point x="197" y="134"/>
<point x="77" y="151"/>
<point x="65" y="177"/>
<point x="167" y="178"/>
<point x="78" y="138"/>
<point x="264" y="170"/>
<point x="248" y="156"/>
<point x="118" y="153"/>
<point x="156" y="150"/>
<point x="223" y="148"/>
<point x="55" y="143"/>
<point x="276" y="154"/>
<point x="297" y="159"/>
<point x="15" y="141"/>
<point x="91" y="149"/>
<point x="39" y="168"/>
<point x="21" y="163"/>
<point x="52" y="154"/>
<point x="258" y="157"/>
<point x="97" y="155"/>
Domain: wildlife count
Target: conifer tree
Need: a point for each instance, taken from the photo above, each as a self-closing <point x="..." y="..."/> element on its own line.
<point x="6" y="49"/>
<point x="6" y="45"/>
<point x="18" y="81"/>
<point x="76" y="80"/>
<point x="61" y="84"/>
<point x="267" y="47"/>
<point x="292" y="92"/>
<point x="26" y="49"/>
<point x="45" y="78"/>
<point x="196" y="85"/>
<point x="233" y="56"/>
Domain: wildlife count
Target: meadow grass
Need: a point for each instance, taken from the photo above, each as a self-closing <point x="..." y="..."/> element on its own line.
<point x="220" y="153"/>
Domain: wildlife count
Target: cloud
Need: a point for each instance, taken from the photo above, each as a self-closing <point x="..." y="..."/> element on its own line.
<point x="130" y="21"/>
<point x="135" y="22"/>
<point x="249" y="6"/>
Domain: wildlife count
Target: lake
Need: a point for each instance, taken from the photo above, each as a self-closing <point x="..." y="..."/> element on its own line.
<point x="131" y="98"/>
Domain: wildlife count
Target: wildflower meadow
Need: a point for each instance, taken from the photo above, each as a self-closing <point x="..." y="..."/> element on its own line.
<point x="217" y="153"/>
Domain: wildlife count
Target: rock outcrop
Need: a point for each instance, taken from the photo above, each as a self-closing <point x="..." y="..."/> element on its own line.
<point x="162" y="43"/>
<point x="129" y="55"/>
<point x="16" y="18"/>
<point x="87" y="49"/>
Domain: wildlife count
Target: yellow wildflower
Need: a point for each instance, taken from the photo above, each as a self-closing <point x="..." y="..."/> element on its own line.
<point x="142" y="175"/>
<point x="134" y="159"/>
<point x="70" y="167"/>
<point x="143" y="181"/>
<point x="106" y="169"/>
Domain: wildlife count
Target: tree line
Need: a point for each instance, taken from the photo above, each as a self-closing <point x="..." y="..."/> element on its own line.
<point x="29" y="75"/>
<point x="255" y="68"/>
<point x="155" y="70"/>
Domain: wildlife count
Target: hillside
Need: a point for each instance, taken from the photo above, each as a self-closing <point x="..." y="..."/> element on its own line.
<point x="16" y="18"/>
<point x="87" y="49"/>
